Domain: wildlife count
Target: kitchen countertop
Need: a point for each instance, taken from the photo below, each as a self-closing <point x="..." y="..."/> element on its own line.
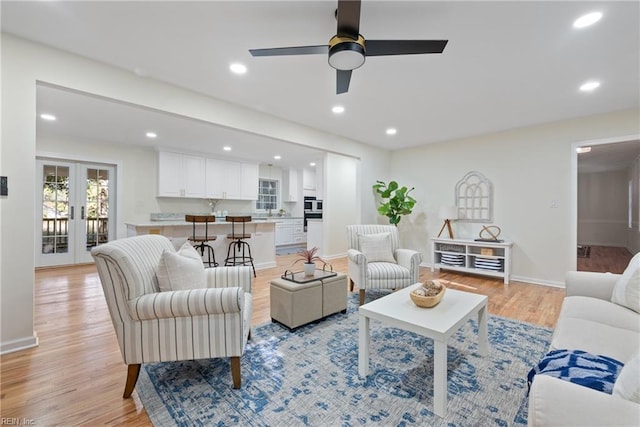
<point x="181" y="223"/>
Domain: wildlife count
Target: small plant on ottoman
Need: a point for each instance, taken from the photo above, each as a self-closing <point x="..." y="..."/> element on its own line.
<point x="308" y="256"/>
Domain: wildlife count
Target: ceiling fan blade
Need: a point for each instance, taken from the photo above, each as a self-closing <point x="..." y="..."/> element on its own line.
<point x="343" y="77"/>
<point x="349" y="18"/>
<point x="403" y="47"/>
<point x="296" y="50"/>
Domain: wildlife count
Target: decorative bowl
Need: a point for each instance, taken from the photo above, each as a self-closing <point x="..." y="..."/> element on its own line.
<point x="428" y="301"/>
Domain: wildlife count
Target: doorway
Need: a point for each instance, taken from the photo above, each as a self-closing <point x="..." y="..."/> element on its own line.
<point x="74" y="210"/>
<point x="607" y="193"/>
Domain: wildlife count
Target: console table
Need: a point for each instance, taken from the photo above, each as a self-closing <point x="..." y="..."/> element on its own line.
<point x="470" y="256"/>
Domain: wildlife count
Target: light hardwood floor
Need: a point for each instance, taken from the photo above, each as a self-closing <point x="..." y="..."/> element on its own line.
<point x="606" y="259"/>
<point x="76" y="375"/>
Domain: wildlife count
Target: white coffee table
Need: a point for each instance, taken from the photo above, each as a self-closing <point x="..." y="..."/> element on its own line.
<point x="437" y="323"/>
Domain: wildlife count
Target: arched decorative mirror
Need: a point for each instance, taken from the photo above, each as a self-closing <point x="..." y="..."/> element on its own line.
<point x="474" y="198"/>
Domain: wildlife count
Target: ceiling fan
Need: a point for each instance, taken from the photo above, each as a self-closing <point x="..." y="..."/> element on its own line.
<point x="347" y="49"/>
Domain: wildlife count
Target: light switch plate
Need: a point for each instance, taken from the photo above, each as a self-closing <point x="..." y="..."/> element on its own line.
<point x="4" y="186"/>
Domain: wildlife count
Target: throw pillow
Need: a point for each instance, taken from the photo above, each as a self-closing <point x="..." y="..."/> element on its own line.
<point x="579" y="367"/>
<point x="627" y="385"/>
<point x="626" y="292"/>
<point x="376" y="247"/>
<point x="181" y="270"/>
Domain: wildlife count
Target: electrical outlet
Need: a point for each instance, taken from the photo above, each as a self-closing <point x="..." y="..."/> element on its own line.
<point x="4" y="186"/>
<point x="554" y="203"/>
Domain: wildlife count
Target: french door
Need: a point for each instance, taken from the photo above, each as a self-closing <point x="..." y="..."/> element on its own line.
<point x="75" y="211"/>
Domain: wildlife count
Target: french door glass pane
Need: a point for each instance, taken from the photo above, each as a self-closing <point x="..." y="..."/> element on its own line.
<point x="97" y="207"/>
<point x="55" y="209"/>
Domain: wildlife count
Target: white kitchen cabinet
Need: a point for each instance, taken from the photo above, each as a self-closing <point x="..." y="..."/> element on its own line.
<point x="284" y="233"/>
<point x="180" y="175"/>
<point x="313" y="181"/>
<point x="290" y="185"/>
<point x="249" y="190"/>
<point x="299" y="236"/>
<point x="290" y="231"/>
<point x="308" y="179"/>
<point x="231" y="180"/>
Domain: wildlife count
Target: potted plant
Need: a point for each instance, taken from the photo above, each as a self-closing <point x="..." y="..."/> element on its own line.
<point x="395" y="202"/>
<point x="309" y="257"/>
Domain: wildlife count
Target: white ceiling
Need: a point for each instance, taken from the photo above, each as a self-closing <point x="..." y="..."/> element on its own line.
<point x="507" y="64"/>
<point x="96" y="119"/>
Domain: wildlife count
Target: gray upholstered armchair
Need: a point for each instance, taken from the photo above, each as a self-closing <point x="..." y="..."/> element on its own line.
<point x="186" y="324"/>
<point x="376" y="261"/>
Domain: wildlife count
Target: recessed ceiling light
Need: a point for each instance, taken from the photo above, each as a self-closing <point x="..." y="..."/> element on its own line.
<point x="49" y="117"/>
<point x="238" y="68"/>
<point x="312" y="164"/>
<point x="151" y="135"/>
<point x="226" y="148"/>
<point x="589" y="86"/>
<point x="391" y="131"/>
<point x="588" y="19"/>
<point x="581" y="150"/>
<point x="277" y="157"/>
<point x="338" y="109"/>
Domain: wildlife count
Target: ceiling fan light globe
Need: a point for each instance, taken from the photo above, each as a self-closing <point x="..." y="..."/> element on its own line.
<point x="347" y="59"/>
<point x="345" y="53"/>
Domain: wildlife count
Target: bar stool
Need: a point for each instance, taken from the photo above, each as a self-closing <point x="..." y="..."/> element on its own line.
<point x="238" y="248"/>
<point x="200" y="243"/>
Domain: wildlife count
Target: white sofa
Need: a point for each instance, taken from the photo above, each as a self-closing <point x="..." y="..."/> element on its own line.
<point x="588" y="321"/>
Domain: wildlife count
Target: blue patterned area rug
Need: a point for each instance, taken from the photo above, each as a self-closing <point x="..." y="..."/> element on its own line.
<point x="310" y="377"/>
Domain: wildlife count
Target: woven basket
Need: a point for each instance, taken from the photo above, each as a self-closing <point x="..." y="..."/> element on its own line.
<point x="427" y="302"/>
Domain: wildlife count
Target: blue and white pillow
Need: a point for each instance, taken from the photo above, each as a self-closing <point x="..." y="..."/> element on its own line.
<point x="579" y="367"/>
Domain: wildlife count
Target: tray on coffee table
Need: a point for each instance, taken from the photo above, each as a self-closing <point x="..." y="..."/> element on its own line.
<point x="300" y="277"/>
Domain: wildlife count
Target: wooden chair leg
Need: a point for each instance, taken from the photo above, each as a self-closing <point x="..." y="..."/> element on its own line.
<point x="361" y="296"/>
<point x="132" y="377"/>
<point x="235" y="371"/>
<point x="351" y="285"/>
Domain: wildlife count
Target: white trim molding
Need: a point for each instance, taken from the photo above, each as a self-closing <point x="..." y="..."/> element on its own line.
<point x="18" y="345"/>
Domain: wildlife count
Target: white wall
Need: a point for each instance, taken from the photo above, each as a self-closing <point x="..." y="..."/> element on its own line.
<point x="633" y="234"/>
<point x="602" y="208"/>
<point x="530" y="169"/>
<point x="23" y="65"/>
<point x="341" y="195"/>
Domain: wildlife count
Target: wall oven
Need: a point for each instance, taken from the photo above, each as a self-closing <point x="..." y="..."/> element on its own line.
<point x="311" y="204"/>
<point x="312" y="209"/>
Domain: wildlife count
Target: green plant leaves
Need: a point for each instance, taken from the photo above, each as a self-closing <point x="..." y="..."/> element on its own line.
<point x="395" y="200"/>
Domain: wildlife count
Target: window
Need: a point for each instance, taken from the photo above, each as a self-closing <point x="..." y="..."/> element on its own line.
<point x="267" y="194"/>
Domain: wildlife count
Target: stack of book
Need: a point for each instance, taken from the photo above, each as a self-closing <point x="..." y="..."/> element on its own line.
<point x="452" y="259"/>
<point x="494" y="264"/>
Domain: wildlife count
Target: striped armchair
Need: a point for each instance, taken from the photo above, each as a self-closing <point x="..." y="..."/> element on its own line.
<point x="154" y="326"/>
<point x="398" y="272"/>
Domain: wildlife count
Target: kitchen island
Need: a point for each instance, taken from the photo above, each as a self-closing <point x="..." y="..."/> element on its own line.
<point x="262" y="239"/>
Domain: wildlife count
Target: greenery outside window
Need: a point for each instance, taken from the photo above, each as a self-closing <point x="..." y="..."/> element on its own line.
<point x="267" y="194"/>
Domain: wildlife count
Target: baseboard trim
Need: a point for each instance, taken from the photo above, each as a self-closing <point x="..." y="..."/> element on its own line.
<point x="18" y="345"/>
<point x="263" y="265"/>
<point x="334" y="256"/>
<point x="551" y="283"/>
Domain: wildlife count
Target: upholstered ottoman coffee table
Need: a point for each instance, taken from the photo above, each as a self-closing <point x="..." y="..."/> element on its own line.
<point x="297" y="302"/>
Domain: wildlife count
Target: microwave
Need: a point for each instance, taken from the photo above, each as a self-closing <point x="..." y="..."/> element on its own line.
<point x="311" y="204"/>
